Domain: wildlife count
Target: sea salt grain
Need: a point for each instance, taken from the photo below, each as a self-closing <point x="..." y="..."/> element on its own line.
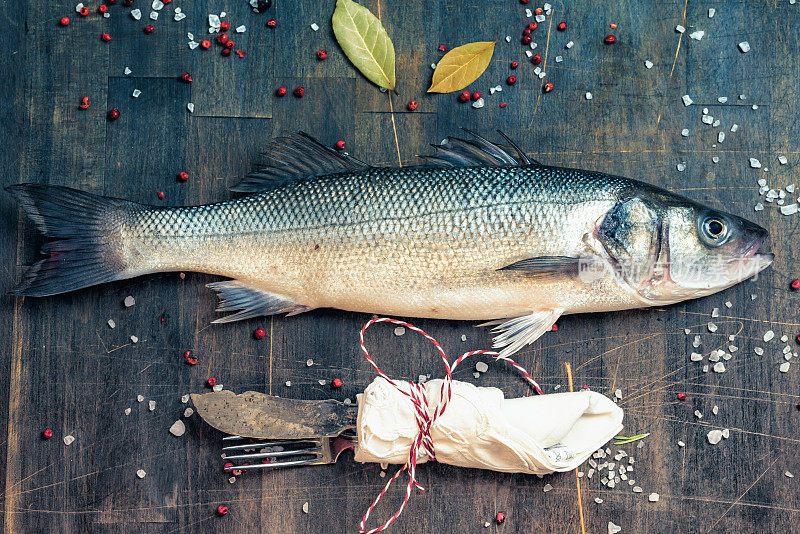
<point x="127" y="411"/>
<point x="648" y="64"/>
<point x="714" y="436"/>
<point x="712" y="327"/>
<point x="478" y="103"/>
<point x="719" y="367"/>
<point x="399" y="331"/>
<point x="744" y="46"/>
<point x="136" y="93"/>
<point x="681" y="167"/>
<point x="151" y="405"/>
<point x="111" y="323"/>
<point x="141" y="473"/>
<point x="140" y="398"/>
<point x="697" y="35"/>
<point x="241" y="29"/>
<point x="481" y="367"/>
<point x="769" y="335"/>
<point x="136" y="14"/>
<point x="687" y="100"/>
<point x="547" y="487"/>
<point x="722" y="99"/>
<point x="134" y="339"/>
<point x="154" y="15"/>
<point x="69" y="439"/>
<point x="680" y="29"/>
<point x="129" y="301"/>
<point x="720" y="137"/>
<point x="711" y="12"/>
<point x="790" y="209"/>
<point x="177" y="428"/>
<point x="782" y="160"/>
<point x="653" y="497"/>
<point x="314" y="26"/>
<point x="784" y="367"/>
<point x="190" y="107"/>
<point x="127" y="71"/>
<point x="754" y="163"/>
<point x="685" y="132"/>
<point x="570" y="45"/>
<point x="734" y="127"/>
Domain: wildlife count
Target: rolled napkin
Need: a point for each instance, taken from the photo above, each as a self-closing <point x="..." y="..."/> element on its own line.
<point x="482" y="429"/>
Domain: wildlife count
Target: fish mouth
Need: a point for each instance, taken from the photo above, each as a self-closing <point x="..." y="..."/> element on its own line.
<point x="750" y="261"/>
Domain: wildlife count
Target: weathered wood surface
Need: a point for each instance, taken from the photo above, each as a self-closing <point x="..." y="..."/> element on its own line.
<point x="66" y="369"/>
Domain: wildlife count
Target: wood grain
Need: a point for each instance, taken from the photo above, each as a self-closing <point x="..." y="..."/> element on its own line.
<point x="67" y="370"/>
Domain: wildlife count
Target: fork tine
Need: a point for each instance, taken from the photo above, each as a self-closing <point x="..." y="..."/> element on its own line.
<point x="317" y="451"/>
<point x="262" y="444"/>
<point x="272" y="465"/>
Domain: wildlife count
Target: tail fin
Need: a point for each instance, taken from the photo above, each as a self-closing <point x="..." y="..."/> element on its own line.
<point x="86" y="246"/>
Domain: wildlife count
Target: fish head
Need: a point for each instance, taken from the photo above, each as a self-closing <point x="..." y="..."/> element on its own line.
<point x="668" y="249"/>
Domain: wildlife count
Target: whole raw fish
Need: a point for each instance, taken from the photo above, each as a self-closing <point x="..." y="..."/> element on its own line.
<point x="480" y="233"/>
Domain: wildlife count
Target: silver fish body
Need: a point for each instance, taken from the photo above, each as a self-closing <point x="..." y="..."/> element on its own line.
<point x="474" y="242"/>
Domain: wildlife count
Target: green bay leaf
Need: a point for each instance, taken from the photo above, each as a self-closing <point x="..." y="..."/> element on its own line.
<point x="365" y="42"/>
<point x="461" y="66"/>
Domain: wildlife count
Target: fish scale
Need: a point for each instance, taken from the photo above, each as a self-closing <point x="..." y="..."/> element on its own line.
<point x="470" y="236"/>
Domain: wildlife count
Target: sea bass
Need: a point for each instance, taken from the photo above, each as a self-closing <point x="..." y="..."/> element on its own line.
<point x="481" y="232"/>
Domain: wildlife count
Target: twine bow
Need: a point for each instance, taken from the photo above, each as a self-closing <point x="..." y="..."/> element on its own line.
<point x="417" y="394"/>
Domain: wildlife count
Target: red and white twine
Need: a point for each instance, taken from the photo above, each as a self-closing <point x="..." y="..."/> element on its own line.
<point x="418" y="396"/>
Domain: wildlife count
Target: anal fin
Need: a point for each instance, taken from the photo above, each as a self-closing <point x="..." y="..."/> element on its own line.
<point x="515" y="333"/>
<point x="251" y="302"/>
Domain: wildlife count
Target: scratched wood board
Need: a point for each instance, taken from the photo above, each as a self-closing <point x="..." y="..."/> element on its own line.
<point x="67" y="370"/>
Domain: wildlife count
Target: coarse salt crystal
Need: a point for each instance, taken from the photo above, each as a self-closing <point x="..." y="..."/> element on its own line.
<point x="129" y="301"/>
<point x="508" y="38"/>
<point x="681" y="167"/>
<point x="157" y="5"/>
<point x="134" y="339"/>
<point x="192" y="45"/>
<point x="711" y="12"/>
<point x="680" y="29"/>
<point x="570" y="45"/>
<point x="719" y="367"/>
<point x="127" y="411"/>
<point x="769" y="335"/>
<point x="69" y="439"/>
<point x="540" y="18"/>
<point x="712" y="327"/>
<point x="213" y="21"/>
<point x="720" y="137"/>
<point x="136" y="93"/>
<point x="653" y="497"/>
<point x="589" y="96"/>
<point x="696" y="357"/>
<point x="744" y="46"/>
<point x="547" y="487"/>
<point x="687" y="101"/>
<point x="177" y="428"/>
<point x="707" y="119"/>
<point x="559" y="59"/>
<point x="788" y="474"/>
<point x="698" y="414"/>
<point x="722" y="99"/>
<point x="314" y="26"/>
<point x="136" y="14"/>
<point x="715" y="410"/>
<point x="648" y="64"/>
<point x="685" y="132"/>
<point x="618" y="393"/>
<point x="399" y="331"/>
<point x="784" y="367"/>
<point x="528" y="53"/>
<point x="754" y="163"/>
<point x="185" y="399"/>
<point x="714" y="436"/>
<point x="528" y="13"/>
<point x="154" y="15"/>
<point x="481" y="367"/>
<point x="463" y="337"/>
<point x="789" y="209"/>
<point x="681" y="444"/>
<point x="305" y="507"/>
<point x="190" y="107"/>
<point x="151" y="405"/>
<point x="188" y="412"/>
<point x="111" y="323"/>
<point x="140" y="398"/>
<point x="715" y="159"/>
<point x="478" y="103"/>
<point x="697" y="35"/>
<point x="141" y="473"/>
<point x="759" y="351"/>
<point x="78" y="7"/>
<point x="782" y="160"/>
<point x="127" y="71"/>
<point x="241" y="29"/>
<point x="734" y="127"/>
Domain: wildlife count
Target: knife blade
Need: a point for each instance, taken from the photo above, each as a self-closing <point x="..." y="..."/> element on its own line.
<point x="257" y="415"/>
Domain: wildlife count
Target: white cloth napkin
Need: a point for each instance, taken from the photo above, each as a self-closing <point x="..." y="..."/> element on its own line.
<point x="480" y="428"/>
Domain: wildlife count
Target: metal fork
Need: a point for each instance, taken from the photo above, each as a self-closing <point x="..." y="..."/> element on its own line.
<point x="285" y="452"/>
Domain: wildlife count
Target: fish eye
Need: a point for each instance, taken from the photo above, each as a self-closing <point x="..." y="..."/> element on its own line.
<point x="714" y="230"/>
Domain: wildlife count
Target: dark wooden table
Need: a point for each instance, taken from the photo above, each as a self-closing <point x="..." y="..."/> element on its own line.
<point x="67" y="370"/>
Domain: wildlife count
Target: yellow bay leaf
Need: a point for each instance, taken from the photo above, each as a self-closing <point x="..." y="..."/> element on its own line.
<point x="365" y="42"/>
<point x="461" y="66"/>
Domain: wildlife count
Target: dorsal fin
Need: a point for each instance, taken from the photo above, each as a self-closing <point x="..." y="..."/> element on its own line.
<point x="294" y="157"/>
<point x="457" y="152"/>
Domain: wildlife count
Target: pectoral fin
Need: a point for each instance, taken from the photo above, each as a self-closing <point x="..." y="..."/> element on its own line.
<point x="553" y="266"/>
<point x="515" y="333"/>
<point x="251" y="302"/>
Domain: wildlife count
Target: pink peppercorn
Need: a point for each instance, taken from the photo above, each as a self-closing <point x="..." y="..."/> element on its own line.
<point x="548" y="87"/>
<point x="554" y="328"/>
<point x="84" y="11"/>
<point x="527" y="39"/>
<point x="259" y="333"/>
<point x="500" y="518"/>
<point x="205" y="44"/>
<point x="526" y="31"/>
<point x="191" y="360"/>
<point x="47" y="434"/>
<point x="222" y="510"/>
<point x="227" y="467"/>
<point x="797" y="338"/>
<point x="224" y="25"/>
<point x="127" y="3"/>
<point x="524" y="1"/>
<point x="230" y="44"/>
<point x="299" y="92"/>
<point x="160" y="195"/>
<point x="84" y="103"/>
<point x="613" y="25"/>
<point x="113" y="114"/>
<point x="475" y="96"/>
<point x="682" y="397"/>
<point x="503" y="105"/>
<point x="212" y="382"/>
<point x="464" y="96"/>
<point x="562" y="26"/>
<point x="532" y="25"/>
<point x="511" y="80"/>
<point x="149" y="29"/>
<point x="514" y="65"/>
<point x="183" y="176"/>
<point x="412" y="105"/>
<point x="322" y="54"/>
<point x="186" y="77"/>
<point x="106" y="37"/>
<point x="226" y="52"/>
<point x="102" y="9"/>
<point x="64" y="21"/>
<point x="222" y="38"/>
<point x="795" y="284"/>
<point x="281" y="91"/>
<point x="442" y="48"/>
<point x="339" y="145"/>
<point x="538" y="11"/>
<point x="610" y="39"/>
<point x="272" y="23"/>
<point x="536" y="59"/>
<point x="337" y="382"/>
